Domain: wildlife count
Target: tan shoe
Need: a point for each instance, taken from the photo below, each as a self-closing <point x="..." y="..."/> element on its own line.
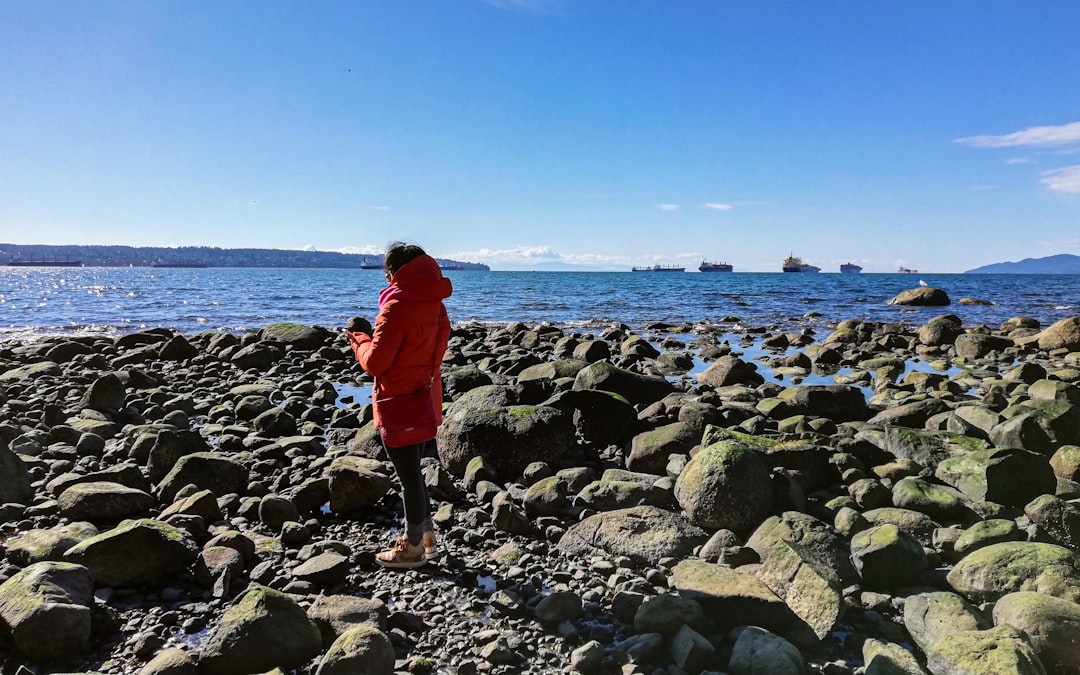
<point x="402" y="555"/>
<point x="431" y="545"/>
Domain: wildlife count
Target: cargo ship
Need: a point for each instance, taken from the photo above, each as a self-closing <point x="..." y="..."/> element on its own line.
<point x="795" y="264"/>
<point x="162" y="263"/>
<point x="850" y="268"/>
<point x="905" y="270"/>
<point x="659" y="268"/>
<point x="707" y="266"/>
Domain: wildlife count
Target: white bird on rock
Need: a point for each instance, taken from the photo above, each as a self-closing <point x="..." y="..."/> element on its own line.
<point x="923" y="283"/>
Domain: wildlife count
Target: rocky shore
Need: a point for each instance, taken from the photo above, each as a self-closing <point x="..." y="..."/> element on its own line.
<point x="180" y="504"/>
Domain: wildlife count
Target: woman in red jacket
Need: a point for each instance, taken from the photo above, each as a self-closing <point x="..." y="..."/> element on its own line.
<point x="403" y="353"/>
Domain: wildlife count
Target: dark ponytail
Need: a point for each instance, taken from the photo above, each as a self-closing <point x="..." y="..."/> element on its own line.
<point x="399" y="253"/>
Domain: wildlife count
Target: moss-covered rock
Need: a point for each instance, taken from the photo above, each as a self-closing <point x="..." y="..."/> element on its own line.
<point x="508" y="438"/>
<point x="991" y="572"/>
<point x="261" y="630"/>
<point x="297" y="335"/>
<point x="1008" y="476"/>
<point x="886" y="557"/>
<point x="649" y="450"/>
<point x="645" y="534"/>
<point x="163" y="550"/>
<point x="1052" y="626"/>
<point x="631" y="386"/>
<point x="725" y="485"/>
<point x="999" y="650"/>
<point x="46" y="610"/>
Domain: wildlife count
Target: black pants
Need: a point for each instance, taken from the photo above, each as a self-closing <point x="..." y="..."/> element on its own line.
<point x="414" y="494"/>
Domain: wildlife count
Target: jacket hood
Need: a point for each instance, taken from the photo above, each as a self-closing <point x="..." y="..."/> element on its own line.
<point x="420" y="278"/>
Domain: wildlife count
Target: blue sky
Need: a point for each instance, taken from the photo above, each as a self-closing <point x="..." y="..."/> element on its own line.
<point x="536" y="133"/>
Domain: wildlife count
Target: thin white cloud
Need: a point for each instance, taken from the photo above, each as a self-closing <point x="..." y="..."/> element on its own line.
<point x="378" y="207"/>
<point x="1020" y="160"/>
<point x="668" y="207"/>
<point x="716" y="206"/>
<point x="366" y="249"/>
<point x="530" y="254"/>
<point x="308" y="247"/>
<point x="1064" y="134"/>
<point x="984" y="188"/>
<point x="1066" y="179"/>
<point x="1062" y="244"/>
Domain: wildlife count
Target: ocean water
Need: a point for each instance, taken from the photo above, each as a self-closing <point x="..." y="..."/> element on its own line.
<point x="35" y="301"/>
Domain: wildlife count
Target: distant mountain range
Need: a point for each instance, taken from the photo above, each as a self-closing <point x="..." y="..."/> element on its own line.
<point x="198" y="256"/>
<point x="1063" y="263"/>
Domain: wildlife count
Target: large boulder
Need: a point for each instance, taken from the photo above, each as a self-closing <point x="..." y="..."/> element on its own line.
<point x="260" y="356"/>
<point x="758" y="652"/>
<point x="169" y="447"/>
<point x="356" y="483"/>
<point x="645" y="534"/>
<point x="509" y="438"/>
<point x="997" y="570"/>
<point x="46" y="608"/>
<point x="978" y="345"/>
<point x="924" y="296"/>
<point x="35" y="546"/>
<point x="206" y="471"/>
<point x="725" y="485"/>
<point x="602" y="418"/>
<point x="929" y="617"/>
<point x="296" y="335"/>
<point x="1064" y="334"/>
<point x="887" y="557"/>
<point x="335" y="614"/>
<point x="812" y="536"/>
<point x="730" y="370"/>
<point x="731" y="598"/>
<point x="839" y="403"/>
<point x="106" y="394"/>
<point x="1041" y="426"/>
<point x="999" y="650"/>
<point x="1051" y="624"/>
<point x="631" y="386"/>
<point x="162" y="550"/>
<point x="649" y="450"/>
<point x="103" y="501"/>
<point x="941" y="330"/>
<point x="1008" y="476"/>
<point x="264" y="629"/>
<point x="811" y="590"/>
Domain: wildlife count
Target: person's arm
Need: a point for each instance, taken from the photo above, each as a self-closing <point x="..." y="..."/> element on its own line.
<point x="376" y="353"/>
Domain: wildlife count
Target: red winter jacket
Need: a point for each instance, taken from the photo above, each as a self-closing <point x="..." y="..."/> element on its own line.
<point x="410" y="335"/>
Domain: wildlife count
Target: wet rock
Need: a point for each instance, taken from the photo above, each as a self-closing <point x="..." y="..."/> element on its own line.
<point x="297" y="335"/>
<point x="46" y="610"/>
<point x="725" y="485"/>
<point x="163" y="550"/>
<point x="261" y="630"/>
